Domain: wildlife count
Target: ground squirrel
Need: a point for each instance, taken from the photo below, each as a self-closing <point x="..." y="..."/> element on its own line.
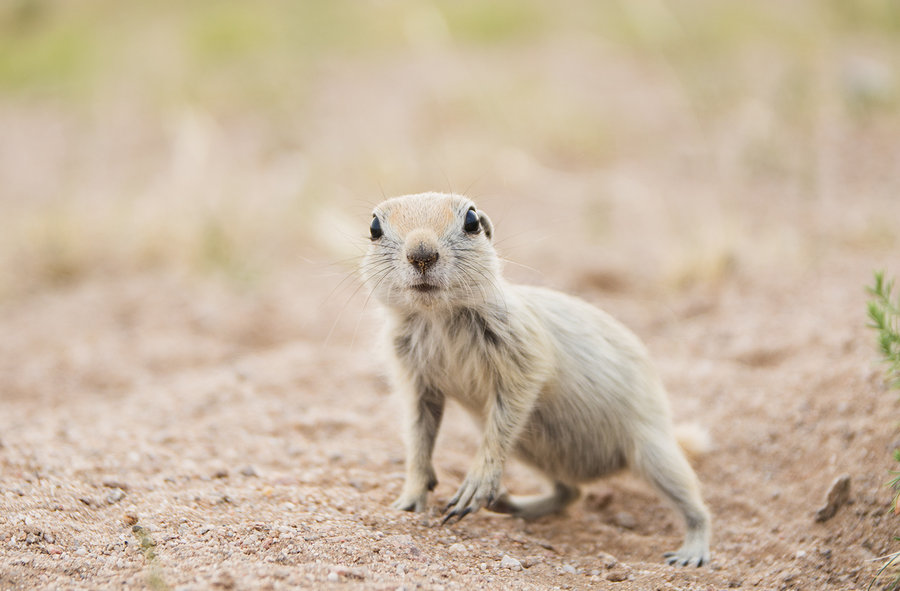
<point x="550" y="378"/>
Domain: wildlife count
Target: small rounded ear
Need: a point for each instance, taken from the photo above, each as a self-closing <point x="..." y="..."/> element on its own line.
<point x="487" y="225"/>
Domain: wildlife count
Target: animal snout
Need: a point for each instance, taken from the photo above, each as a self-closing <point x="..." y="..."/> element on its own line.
<point x="422" y="256"/>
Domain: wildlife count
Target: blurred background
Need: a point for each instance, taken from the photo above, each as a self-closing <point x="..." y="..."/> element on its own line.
<point x="186" y="190"/>
<point x="687" y="139"/>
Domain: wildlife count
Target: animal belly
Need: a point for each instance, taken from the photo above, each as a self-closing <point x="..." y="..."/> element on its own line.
<point x="570" y="453"/>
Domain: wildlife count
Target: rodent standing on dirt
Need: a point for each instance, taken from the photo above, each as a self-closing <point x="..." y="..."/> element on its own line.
<point x="550" y="378"/>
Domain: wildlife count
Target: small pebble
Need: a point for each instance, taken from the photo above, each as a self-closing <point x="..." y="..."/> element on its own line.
<point x="568" y="568"/>
<point x="82" y="551"/>
<point x="608" y="561"/>
<point x="618" y="575"/>
<point x="115" y="496"/>
<point x="458" y="548"/>
<point x="249" y="471"/>
<point x="332" y="577"/>
<point x="837" y="496"/>
<point x="509" y="562"/>
<point x="625" y="520"/>
<point x="531" y="561"/>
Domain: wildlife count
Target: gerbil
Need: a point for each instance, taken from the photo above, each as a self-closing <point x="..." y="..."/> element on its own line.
<point x="550" y="378"/>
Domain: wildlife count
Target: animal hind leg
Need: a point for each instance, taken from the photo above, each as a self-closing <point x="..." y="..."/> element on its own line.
<point x="663" y="464"/>
<point x="534" y="506"/>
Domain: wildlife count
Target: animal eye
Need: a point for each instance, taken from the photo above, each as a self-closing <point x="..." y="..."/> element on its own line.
<point x="375" y="228"/>
<point x="471" y="224"/>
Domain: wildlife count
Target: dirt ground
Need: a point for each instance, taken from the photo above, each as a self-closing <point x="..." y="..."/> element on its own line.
<point x="191" y="395"/>
<point x="158" y="431"/>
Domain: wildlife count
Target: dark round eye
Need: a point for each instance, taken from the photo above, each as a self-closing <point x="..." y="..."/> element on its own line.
<point x="375" y="228"/>
<point x="471" y="225"/>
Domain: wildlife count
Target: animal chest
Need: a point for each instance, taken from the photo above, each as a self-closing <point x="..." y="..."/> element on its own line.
<point x="451" y="357"/>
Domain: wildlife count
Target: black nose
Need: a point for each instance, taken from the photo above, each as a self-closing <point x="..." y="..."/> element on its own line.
<point x="422" y="257"/>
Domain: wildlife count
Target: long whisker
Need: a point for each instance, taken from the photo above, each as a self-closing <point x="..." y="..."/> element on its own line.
<point x="375" y="268"/>
<point x="378" y="276"/>
<point x="518" y="264"/>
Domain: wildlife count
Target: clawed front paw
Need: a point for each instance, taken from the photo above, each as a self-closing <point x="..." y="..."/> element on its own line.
<point x="411" y="502"/>
<point x="474" y="494"/>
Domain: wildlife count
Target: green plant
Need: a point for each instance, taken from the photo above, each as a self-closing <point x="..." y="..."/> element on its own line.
<point x="885" y="318"/>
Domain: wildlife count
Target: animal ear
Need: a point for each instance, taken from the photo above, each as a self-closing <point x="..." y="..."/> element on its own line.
<point x="486" y="225"/>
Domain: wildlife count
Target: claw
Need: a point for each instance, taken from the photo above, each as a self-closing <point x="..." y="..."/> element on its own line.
<point x="674" y="559"/>
<point x="457" y="514"/>
<point x="452" y="503"/>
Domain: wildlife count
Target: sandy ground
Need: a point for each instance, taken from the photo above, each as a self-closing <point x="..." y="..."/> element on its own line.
<point x="166" y="432"/>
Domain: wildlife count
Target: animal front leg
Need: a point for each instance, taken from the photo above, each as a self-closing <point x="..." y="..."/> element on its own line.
<point x="481" y="486"/>
<point x="423" y="423"/>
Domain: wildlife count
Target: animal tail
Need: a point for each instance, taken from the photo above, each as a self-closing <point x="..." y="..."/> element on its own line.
<point x="694" y="439"/>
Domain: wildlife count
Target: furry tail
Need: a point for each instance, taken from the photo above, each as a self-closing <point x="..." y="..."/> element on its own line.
<point x="694" y="439"/>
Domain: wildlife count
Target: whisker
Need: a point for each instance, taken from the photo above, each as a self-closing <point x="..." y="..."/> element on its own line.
<point x="512" y="262"/>
<point x="375" y="268"/>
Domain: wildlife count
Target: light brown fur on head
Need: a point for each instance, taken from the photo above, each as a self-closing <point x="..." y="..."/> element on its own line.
<point x="428" y="210"/>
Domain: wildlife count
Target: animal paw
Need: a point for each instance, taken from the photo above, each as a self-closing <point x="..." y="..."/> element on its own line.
<point x="415" y="491"/>
<point x="688" y="555"/>
<point x="411" y="502"/>
<point x="476" y="492"/>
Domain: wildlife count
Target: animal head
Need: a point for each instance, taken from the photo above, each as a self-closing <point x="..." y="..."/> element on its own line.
<point x="431" y="250"/>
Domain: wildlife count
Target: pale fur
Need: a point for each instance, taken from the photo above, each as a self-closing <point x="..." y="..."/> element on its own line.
<point x="550" y="378"/>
